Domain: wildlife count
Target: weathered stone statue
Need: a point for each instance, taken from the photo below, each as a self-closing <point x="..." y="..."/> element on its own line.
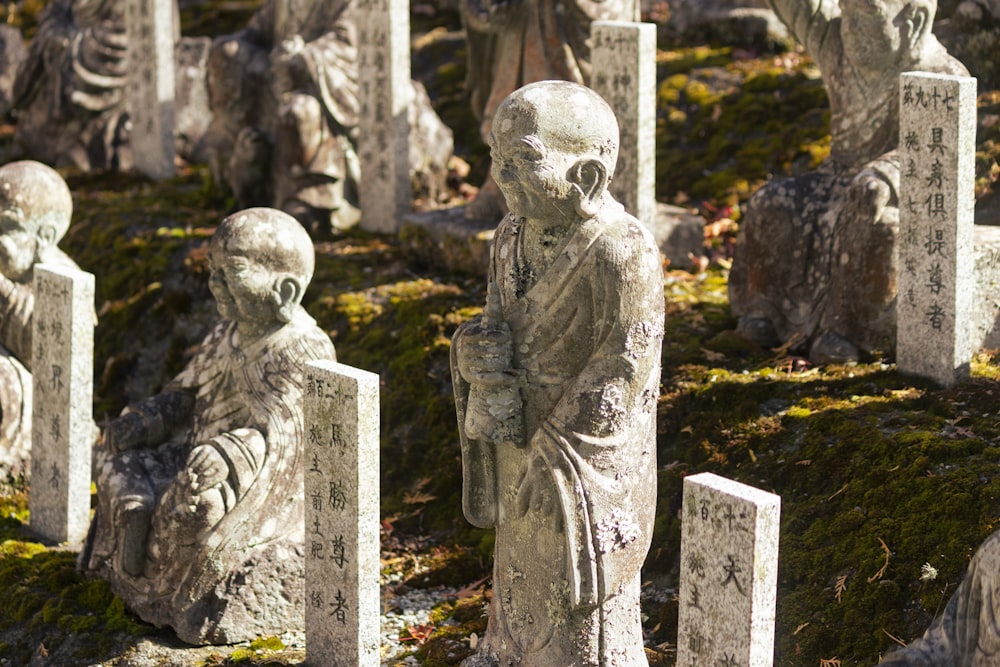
<point x="556" y="388"/>
<point x="69" y="95"/>
<point x="284" y="99"/>
<point x="814" y="262"/>
<point x="967" y="633"/>
<point x="512" y="43"/>
<point x="35" y="209"/>
<point x="200" y="513"/>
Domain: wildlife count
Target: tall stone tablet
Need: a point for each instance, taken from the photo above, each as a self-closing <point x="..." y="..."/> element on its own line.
<point x="937" y="150"/>
<point x="729" y="574"/>
<point x="385" y="94"/>
<point x="63" y="383"/>
<point x="150" y="30"/>
<point x="343" y="605"/>
<point x="624" y="61"/>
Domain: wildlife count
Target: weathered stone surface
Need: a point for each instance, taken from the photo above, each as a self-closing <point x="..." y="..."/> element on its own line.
<point x="510" y="44"/>
<point x="814" y="263"/>
<point x="37" y="199"/>
<point x="445" y="238"/>
<point x="149" y="58"/>
<point x="342" y="515"/>
<point x="555" y="389"/>
<point x="384" y="75"/>
<point x="624" y="74"/>
<point x="749" y="23"/>
<point x="200" y="513"/>
<point x="966" y="634"/>
<point x="729" y="573"/>
<point x="69" y="95"/>
<point x="63" y="396"/>
<point x="985" y="317"/>
<point x="192" y="114"/>
<point x="937" y="129"/>
<point x="13" y="52"/>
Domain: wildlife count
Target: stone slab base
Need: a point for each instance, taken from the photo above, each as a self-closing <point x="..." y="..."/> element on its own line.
<point x="446" y="239"/>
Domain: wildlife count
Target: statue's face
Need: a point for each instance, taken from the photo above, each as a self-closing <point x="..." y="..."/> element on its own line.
<point x="873" y="32"/>
<point x="244" y="289"/>
<point x="18" y="246"/>
<point x="531" y="176"/>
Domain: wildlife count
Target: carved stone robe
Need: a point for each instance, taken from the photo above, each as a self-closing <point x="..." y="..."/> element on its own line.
<point x="586" y="334"/>
<point x="224" y="565"/>
<point x="967" y="634"/>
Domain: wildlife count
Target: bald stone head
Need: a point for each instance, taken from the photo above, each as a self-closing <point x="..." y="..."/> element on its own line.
<point x="554" y="146"/>
<point x="37" y="196"/>
<point x="262" y="261"/>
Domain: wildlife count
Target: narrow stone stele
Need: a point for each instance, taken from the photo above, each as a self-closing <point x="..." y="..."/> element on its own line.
<point x="343" y="605"/>
<point x="729" y="573"/>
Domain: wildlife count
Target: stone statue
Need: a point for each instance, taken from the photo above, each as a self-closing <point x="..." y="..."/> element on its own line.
<point x="556" y="387"/>
<point x="69" y="95"/>
<point x="200" y="511"/>
<point x="512" y="43"/>
<point x="284" y="99"/>
<point x="967" y="633"/>
<point x="814" y="262"/>
<point x="35" y="207"/>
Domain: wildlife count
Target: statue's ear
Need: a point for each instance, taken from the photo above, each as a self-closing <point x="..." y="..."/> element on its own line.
<point x="46" y="235"/>
<point x="590" y="180"/>
<point x="289" y="293"/>
<point x="918" y="23"/>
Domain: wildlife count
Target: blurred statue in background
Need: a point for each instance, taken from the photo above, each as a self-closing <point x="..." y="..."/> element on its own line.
<point x="69" y="95"/>
<point x="814" y="265"/>
<point x="284" y="98"/>
<point x="200" y="510"/>
<point x="512" y="43"/>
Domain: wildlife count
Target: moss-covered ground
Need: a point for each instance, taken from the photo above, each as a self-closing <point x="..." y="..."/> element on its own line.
<point x="888" y="484"/>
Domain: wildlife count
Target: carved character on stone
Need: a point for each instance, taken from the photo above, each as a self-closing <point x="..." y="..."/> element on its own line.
<point x="814" y="264"/>
<point x="512" y="43"/>
<point x="35" y="211"/>
<point x="556" y="387"/>
<point x="200" y="514"/>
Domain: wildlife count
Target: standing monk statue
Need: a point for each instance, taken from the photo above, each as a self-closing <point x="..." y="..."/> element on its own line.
<point x="556" y="388"/>
<point x="511" y="43"/>
<point x="814" y="265"/>
<point x="200" y="510"/>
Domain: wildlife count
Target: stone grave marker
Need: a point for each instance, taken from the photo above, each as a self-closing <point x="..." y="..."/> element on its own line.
<point x="729" y="574"/>
<point x="150" y="88"/>
<point x="62" y="364"/>
<point x="343" y="605"/>
<point x="624" y="73"/>
<point x="937" y="150"/>
<point x="385" y="94"/>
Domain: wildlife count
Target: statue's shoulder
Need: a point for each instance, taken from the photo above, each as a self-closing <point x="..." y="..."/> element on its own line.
<point x="623" y="237"/>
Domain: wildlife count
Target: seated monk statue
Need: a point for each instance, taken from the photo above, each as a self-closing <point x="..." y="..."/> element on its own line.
<point x="512" y="43"/>
<point x="556" y="388"/>
<point x="814" y="264"/>
<point x="284" y="98"/>
<point x="35" y="211"/>
<point x="967" y="634"/>
<point x="200" y="508"/>
<point x="69" y="95"/>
